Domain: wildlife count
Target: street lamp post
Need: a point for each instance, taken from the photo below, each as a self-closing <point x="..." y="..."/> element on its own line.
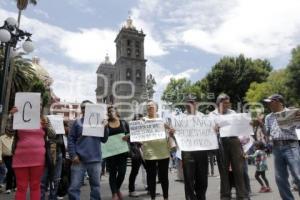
<point x="10" y="35"/>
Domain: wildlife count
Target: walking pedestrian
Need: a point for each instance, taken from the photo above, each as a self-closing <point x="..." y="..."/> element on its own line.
<point x="52" y="172"/>
<point x="229" y="154"/>
<point x="261" y="167"/>
<point x="285" y="147"/>
<point x="85" y="153"/>
<point x="116" y="164"/>
<point x="195" y="163"/>
<point x="29" y="158"/>
<point x="136" y="162"/>
<point x="156" y="154"/>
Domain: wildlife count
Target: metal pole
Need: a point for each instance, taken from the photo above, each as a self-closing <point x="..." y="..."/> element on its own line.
<point x="7" y="96"/>
<point x="4" y="84"/>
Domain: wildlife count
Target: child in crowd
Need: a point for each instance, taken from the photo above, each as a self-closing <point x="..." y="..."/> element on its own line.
<point x="261" y="166"/>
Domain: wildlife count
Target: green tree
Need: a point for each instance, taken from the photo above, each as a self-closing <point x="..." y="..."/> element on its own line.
<point x="275" y="83"/>
<point x="22" y="5"/>
<point x="176" y="90"/>
<point x="39" y="86"/>
<point x="293" y="76"/>
<point x="23" y="75"/>
<point x="233" y="76"/>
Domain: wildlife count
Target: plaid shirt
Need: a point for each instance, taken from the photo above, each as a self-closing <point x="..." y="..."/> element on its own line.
<point x="278" y="133"/>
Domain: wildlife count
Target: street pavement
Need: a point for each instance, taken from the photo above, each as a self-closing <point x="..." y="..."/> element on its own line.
<point x="176" y="189"/>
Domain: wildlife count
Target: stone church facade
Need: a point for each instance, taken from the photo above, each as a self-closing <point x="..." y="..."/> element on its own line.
<point x="127" y="76"/>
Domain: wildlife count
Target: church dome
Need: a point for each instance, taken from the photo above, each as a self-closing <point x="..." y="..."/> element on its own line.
<point x="41" y="72"/>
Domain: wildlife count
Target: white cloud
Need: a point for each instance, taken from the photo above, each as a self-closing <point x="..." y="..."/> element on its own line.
<point x="70" y="84"/>
<point x="89" y="45"/>
<point x="153" y="45"/>
<point x="162" y="76"/>
<point x="86" y="46"/>
<point x="258" y="28"/>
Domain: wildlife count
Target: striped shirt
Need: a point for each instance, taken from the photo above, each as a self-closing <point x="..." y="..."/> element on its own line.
<point x="276" y="132"/>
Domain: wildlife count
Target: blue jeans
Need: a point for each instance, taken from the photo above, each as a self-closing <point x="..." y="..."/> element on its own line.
<point x="2" y="172"/>
<point x="287" y="156"/>
<point x="55" y="181"/>
<point x="77" y="174"/>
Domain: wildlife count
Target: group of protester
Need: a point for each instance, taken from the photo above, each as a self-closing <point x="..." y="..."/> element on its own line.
<point x="44" y="160"/>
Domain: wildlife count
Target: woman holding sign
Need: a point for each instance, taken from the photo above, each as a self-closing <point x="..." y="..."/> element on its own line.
<point x="117" y="160"/>
<point x="156" y="154"/>
<point x="29" y="159"/>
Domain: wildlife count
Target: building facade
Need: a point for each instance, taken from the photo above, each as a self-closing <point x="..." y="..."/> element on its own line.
<point x="124" y="81"/>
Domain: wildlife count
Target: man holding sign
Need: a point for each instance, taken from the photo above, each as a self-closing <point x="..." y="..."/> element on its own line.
<point x="53" y="169"/>
<point x="230" y="153"/>
<point x="85" y="152"/>
<point x="285" y="144"/>
<point x="195" y="136"/>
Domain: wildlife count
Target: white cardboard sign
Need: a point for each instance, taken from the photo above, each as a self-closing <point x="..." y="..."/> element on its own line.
<point x="57" y="123"/>
<point x="195" y="132"/>
<point x="28" y="115"/>
<point x="93" y="120"/>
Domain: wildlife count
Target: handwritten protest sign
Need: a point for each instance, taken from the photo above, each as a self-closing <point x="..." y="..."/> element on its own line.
<point x="288" y="118"/>
<point x="298" y="133"/>
<point x="195" y="133"/>
<point x="93" y="120"/>
<point x="114" y="146"/>
<point x="238" y="124"/>
<point x="57" y="123"/>
<point x="28" y="115"/>
<point x="146" y="130"/>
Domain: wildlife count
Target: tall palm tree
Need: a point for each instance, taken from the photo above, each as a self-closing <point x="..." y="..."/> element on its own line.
<point x="23" y="75"/>
<point x="22" y="5"/>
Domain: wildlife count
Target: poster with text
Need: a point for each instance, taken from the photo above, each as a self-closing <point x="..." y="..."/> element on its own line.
<point x="146" y="130"/>
<point x="29" y="108"/>
<point x="194" y="132"/>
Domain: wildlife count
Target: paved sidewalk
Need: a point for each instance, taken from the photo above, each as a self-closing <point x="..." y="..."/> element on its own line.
<point x="176" y="190"/>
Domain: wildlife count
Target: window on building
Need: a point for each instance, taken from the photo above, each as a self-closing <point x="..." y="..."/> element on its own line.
<point x="128" y="74"/>
<point x="128" y="42"/>
<point x="128" y="52"/>
<point x="137" y="49"/>
<point x="138" y="75"/>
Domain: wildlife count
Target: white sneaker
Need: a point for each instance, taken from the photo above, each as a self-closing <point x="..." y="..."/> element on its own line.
<point x="58" y="197"/>
<point x="7" y="191"/>
<point x="133" y="194"/>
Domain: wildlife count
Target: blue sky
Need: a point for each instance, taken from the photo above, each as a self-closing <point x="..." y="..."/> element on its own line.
<point x="184" y="37"/>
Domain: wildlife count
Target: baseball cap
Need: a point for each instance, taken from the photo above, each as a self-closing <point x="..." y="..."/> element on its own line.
<point x="274" y="97"/>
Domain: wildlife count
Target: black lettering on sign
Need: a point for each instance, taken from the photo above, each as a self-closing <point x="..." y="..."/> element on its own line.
<point x="92" y="116"/>
<point x="23" y="114"/>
